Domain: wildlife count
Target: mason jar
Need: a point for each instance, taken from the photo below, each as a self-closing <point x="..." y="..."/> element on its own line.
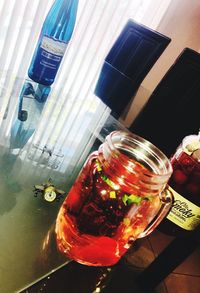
<point x="120" y="195"/>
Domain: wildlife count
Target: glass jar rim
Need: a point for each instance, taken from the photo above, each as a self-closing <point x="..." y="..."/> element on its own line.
<point x="142" y="149"/>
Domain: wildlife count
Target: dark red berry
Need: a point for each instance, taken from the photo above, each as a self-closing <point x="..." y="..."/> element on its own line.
<point x="192" y="188"/>
<point x="179" y="177"/>
<point x="196" y="176"/>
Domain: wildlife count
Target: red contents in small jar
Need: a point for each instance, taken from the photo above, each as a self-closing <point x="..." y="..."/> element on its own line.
<point x="99" y="217"/>
<point x="185" y="180"/>
<point x="186" y="177"/>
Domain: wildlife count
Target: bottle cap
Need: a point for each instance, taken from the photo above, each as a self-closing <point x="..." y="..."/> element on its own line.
<point x="129" y="60"/>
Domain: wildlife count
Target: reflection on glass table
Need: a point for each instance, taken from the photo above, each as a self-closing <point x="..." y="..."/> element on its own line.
<point x="26" y="220"/>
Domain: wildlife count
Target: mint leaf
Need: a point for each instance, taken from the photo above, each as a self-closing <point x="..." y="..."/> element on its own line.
<point x="108" y="181"/>
<point x="124" y="199"/>
<point x="134" y="199"/>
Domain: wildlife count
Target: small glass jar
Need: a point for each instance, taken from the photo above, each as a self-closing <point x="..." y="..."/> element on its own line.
<point x="119" y="196"/>
<point x="184" y="183"/>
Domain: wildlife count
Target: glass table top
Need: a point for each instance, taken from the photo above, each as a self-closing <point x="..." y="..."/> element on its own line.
<point x="26" y="220"/>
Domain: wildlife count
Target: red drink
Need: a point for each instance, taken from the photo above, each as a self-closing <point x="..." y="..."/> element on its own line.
<point x="106" y="210"/>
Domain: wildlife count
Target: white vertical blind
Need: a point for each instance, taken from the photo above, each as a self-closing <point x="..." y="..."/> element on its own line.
<point x="71" y="110"/>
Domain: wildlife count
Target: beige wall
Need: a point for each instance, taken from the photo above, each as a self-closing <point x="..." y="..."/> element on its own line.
<point x="181" y="23"/>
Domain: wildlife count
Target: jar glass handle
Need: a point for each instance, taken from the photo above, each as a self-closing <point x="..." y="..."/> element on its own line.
<point x="166" y="198"/>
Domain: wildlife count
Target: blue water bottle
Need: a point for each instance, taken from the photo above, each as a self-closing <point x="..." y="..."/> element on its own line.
<point x="54" y="37"/>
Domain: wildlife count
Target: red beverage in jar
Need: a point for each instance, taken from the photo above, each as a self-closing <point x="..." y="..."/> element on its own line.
<point x="109" y="206"/>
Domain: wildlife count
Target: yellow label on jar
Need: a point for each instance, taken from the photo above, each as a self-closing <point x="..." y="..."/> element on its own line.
<point x="184" y="213"/>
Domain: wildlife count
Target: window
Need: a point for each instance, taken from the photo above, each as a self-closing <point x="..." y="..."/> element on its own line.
<point x="64" y="122"/>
